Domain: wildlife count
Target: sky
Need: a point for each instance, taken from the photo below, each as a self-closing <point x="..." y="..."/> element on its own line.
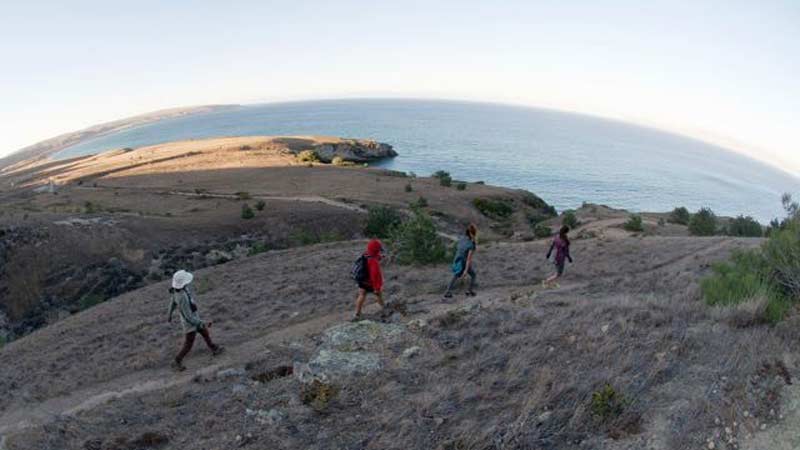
<point x="727" y="72"/>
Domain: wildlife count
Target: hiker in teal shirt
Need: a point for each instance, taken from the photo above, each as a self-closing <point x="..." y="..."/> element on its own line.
<point x="462" y="263"/>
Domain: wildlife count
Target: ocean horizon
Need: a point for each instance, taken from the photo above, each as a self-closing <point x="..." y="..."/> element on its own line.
<point x="566" y="158"/>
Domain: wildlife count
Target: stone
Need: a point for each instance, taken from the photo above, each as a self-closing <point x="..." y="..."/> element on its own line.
<point x="411" y="352"/>
<point x="336" y="365"/>
<point x="361" y="335"/>
<point x="230" y="373"/>
<point x="604" y="329"/>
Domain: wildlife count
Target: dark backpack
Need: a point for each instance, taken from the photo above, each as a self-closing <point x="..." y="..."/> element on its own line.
<point x="359" y="272"/>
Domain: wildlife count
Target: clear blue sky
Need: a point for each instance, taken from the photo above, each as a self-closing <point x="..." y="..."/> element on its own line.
<point x="724" y="71"/>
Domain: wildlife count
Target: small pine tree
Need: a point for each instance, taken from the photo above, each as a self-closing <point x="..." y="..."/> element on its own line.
<point x="680" y="216"/>
<point x="247" y="212"/>
<point x="260" y="205"/>
<point x="634" y="223"/>
<point x="703" y="223"/>
<point x="416" y="241"/>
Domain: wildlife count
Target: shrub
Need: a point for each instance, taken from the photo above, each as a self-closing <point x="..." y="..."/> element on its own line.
<point x="634" y="223"/>
<point x="409" y="188"/>
<point x="534" y="201"/>
<point x="494" y="208"/>
<point x="661" y="222"/>
<point x="3" y="341"/>
<point x="680" y="215"/>
<point x="90" y="208"/>
<point x="607" y="403"/>
<point x="569" y="219"/>
<point x="317" y="394"/>
<point x="416" y="241"/>
<point x="257" y="248"/>
<point x="421" y="202"/>
<point x="381" y="221"/>
<point x="247" y="212"/>
<point x="260" y="205"/>
<point x="703" y="223"/>
<point x="461" y="186"/>
<point x="542" y="231"/>
<point x="242" y="195"/>
<point x="89" y="300"/>
<point x="782" y="255"/>
<point x="745" y="278"/>
<point x="745" y="227"/>
<point x="338" y="161"/>
<point x="308" y="156"/>
<point x="444" y="177"/>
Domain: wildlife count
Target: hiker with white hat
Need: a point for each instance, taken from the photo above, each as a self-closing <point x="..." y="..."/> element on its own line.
<point x="183" y="300"/>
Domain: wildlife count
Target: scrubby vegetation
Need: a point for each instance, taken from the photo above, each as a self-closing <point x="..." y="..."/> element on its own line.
<point x="744" y="226"/>
<point x="444" y="177"/>
<point x="542" y="231"/>
<point x="242" y="195"/>
<point x="416" y="241"/>
<point x="461" y="186"/>
<point x="607" y="403"/>
<point x="570" y="219"/>
<point x="634" y="223"/>
<point x="680" y="215"/>
<point x="494" y="208"/>
<point x="381" y="221"/>
<point x="308" y="156"/>
<point x="408" y="187"/>
<point x="703" y="223"/>
<point x="89" y="300"/>
<point x="766" y="281"/>
<point x="260" y="205"/>
<point x="421" y="202"/>
<point x="338" y="161"/>
<point x="247" y="212"/>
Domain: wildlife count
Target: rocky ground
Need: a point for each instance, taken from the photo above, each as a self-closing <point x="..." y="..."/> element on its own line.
<point x="623" y="355"/>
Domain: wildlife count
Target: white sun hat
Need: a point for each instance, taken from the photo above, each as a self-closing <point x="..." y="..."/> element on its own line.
<point x="181" y="279"/>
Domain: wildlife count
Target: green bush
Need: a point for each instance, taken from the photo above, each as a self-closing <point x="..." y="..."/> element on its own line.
<point x="494" y="208"/>
<point x="421" y="202"/>
<point x="746" y="277"/>
<point x="703" y="223"/>
<point x="461" y="186"/>
<point x="308" y="156"/>
<point x="89" y="300"/>
<point x="569" y="219"/>
<point x="260" y="205"/>
<point x="416" y="241"/>
<point x="634" y="223"/>
<point x="680" y="215"/>
<point x="444" y="178"/>
<point x="247" y="212"/>
<point x="257" y="248"/>
<point x="542" y="231"/>
<point x="782" y="254"/>
<point x="607" y="403"/>
<point x="409" y="188"/>
<point x="381" y="221"/>
<point x="745" y="227"/>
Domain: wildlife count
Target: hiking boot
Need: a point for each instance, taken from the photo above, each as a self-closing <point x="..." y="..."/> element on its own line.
<point x="218" y="350"/>
<point x="177" y="366"/>
<point x="357" y="318"/>
<point x="471" y="293"/>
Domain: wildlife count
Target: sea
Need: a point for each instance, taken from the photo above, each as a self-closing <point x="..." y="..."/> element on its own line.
<point x="563" y="157"/>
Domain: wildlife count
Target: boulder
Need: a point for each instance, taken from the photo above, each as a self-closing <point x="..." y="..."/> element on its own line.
<point x="361" y="335"/>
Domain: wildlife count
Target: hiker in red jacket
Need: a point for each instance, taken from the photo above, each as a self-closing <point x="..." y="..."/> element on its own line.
<point x="373" y="279"/>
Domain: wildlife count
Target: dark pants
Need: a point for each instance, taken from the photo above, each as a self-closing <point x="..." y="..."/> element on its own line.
<point x="456" y="277"/>
<point x="189" y="342"/>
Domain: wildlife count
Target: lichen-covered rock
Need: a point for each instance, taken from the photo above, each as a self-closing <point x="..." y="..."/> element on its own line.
<point x="336" y="366"/>
<point x="362" y="335"/>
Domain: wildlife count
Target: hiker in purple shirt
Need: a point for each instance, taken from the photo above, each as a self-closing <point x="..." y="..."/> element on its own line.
<point x="561" y="246"/>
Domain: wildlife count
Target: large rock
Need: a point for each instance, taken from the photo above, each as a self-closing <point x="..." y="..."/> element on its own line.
<point x="331" y="366"/>
<point x="362" y="335"/>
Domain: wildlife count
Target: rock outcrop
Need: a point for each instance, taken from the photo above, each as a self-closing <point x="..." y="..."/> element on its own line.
<point x="354" y="150"/>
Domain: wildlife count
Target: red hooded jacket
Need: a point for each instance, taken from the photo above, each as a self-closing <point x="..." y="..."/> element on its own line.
<point x="374" y="265"/>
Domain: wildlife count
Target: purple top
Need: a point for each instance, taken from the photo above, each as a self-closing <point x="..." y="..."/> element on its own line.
<point x="562" y="250"/>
